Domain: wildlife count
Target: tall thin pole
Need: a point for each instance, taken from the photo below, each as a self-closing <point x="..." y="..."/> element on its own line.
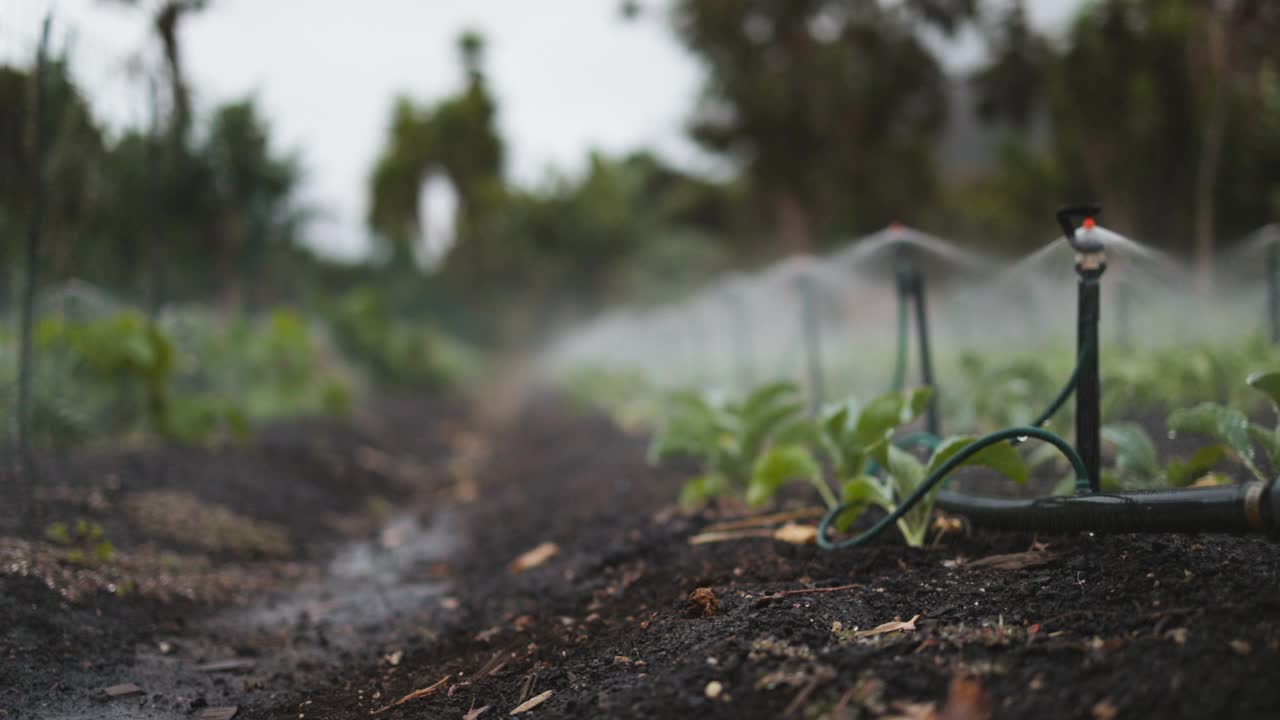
<point x="1088" y="387"/>
<point x="933" y="422"/>
<point x="33" y="246"/>
<point x="1273" y="290"/>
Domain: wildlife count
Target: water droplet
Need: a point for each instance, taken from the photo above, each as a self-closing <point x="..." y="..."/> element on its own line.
<point x="1022" y="438"/>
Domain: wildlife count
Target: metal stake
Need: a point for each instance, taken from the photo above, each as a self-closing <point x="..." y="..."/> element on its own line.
<point x="33" y="248"/>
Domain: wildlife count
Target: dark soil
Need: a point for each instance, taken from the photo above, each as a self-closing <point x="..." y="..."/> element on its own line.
<point x="1078" y="626"/>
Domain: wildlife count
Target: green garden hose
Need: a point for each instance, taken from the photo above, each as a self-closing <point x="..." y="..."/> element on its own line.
<point x="900" y="368"/>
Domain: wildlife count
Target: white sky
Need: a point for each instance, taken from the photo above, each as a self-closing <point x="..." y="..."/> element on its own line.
<point x="569" y="75"/>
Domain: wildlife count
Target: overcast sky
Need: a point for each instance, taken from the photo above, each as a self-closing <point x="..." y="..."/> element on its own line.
<point x="569" y="75"/>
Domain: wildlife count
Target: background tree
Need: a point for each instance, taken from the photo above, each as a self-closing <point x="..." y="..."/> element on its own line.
<point x="830" y="107"/>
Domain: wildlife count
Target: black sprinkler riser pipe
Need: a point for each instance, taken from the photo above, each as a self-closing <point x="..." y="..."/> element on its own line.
<point x="932" y="423"/>
<point x="1088" y="386"/>
<point x="1238" y="509"/>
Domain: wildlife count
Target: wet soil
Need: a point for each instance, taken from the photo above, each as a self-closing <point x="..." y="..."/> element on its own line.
<point x="425" y="599"/>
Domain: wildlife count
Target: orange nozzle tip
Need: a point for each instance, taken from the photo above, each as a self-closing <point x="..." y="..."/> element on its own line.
<point x="1088" y="223"/>
<point x="895" y="225"/>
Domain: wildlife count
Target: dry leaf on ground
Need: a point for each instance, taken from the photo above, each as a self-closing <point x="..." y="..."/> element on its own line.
<point x="532" y="702"/>
<point x="416" y="694"/>
<point x="703" y="602"/>
<point x="895" y="626"/>
<point x="796" y="534"/>
<point x="1104" y="709"/>
<point x="475" y="713"/>
<point x="903" y="710"/>
<point x="534" y="557"/>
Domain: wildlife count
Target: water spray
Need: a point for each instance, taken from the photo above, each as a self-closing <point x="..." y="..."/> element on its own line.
<point x="808" y="290"/>
<point x="1273" y="290"/>
<point x="740" y="327"/>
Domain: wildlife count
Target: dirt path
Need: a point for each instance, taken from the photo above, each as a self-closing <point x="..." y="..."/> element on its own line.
<point x="424" y="605"/>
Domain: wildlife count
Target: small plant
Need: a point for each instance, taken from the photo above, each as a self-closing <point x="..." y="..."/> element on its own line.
<point x="906" y="473"/>
<point x="728" y="438"/>
<point x="1136" y="466"/>
<point x="1233" y="430"/>
<point x="848" y="437"/>
<point x="854" y="441"/>
<point x="86" y="542"/>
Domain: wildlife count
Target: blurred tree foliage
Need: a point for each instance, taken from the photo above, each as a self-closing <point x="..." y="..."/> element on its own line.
<point x="830" y="107"/>
<point x="121" y="209"/>
<point x="830" y="116"/>
<point x="523" y="259"/>
<point x="1167" y="112"/>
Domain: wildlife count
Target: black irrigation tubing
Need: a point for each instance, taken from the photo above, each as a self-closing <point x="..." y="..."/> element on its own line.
<point x="1252" y="507"/>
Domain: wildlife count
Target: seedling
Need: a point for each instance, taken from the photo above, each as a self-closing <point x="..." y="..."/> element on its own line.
<point x="853" y="442"/>
<point x="728" y="438"/>
<point x="86" y="542"/>
<point x="1235" y="433"/>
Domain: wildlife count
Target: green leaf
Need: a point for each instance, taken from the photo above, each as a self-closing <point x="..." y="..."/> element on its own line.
<point x="692" y="427"/>
<point x="1135" y="453"/>
<point x="906" y="470"/>
<point x="765" y="420"/>
<point x="1267" y="383"/>
<point x="698" y="490"/>
<point x="1221" y="423"/>
<point x="1001" y="457"/>
<point x="800" y="430"/>
<point x="882" y="415"/>
<point x="1181" y="473"/>
<point x="769" y="396"/>
<point x="779" y="465"/>
<point x="1269" y="441"/>
<point x="917" y="402"/>
<point x="859" y="494"/>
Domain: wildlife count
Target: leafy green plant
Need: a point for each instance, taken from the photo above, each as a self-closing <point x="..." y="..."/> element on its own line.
<point x="120" y="367"/>
<point x="86" y="541"/>
<point x="397" y="351"/>
<point x="727" y="438"/>
<point x="1234" y="432"/>
<point x="853" y="441"/>
<point x="1136" y="465"/>
<point x="848" y="437"/>
<point x="906" y="473"/>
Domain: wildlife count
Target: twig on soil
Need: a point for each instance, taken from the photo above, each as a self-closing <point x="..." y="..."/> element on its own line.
<point x="843" y="702"/>
<point x="799" y="700"/>
<point x="495" y="663"/>
<point x="805" y="591"/>
<point x="416" y="694"/>
<point x="530" y="681"/>
<point x="722" y="536"/>
<point x="792" y="533"/>
<point x="761" y="520"/>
